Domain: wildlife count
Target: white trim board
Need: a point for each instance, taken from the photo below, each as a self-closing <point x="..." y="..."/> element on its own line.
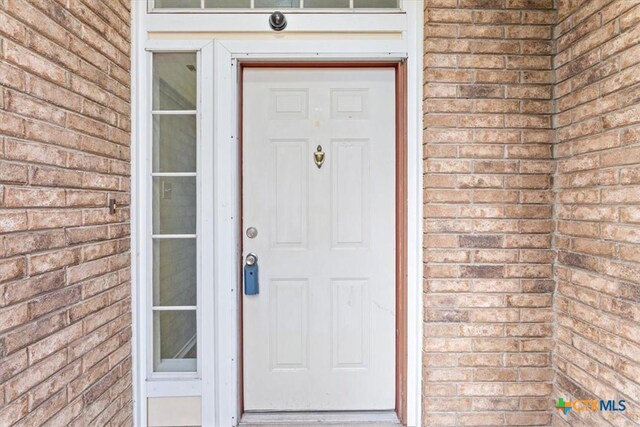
<point x="353" y="22"/>
<point x="217" y="382"/>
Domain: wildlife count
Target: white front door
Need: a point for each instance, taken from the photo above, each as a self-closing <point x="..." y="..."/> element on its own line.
<point x="320" y="334"/>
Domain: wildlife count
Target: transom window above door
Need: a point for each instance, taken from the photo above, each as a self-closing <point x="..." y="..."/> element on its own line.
<point x="302" y="5"/>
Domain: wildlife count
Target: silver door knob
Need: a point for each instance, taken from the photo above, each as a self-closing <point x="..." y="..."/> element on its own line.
<point x="251" y="259"/>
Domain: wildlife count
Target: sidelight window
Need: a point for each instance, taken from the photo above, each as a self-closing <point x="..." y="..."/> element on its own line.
<point x="174" y="218"/>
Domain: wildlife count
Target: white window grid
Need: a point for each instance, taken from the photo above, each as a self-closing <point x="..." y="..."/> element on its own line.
<point x="252" y="9"/>
<point x="184" y="368"/>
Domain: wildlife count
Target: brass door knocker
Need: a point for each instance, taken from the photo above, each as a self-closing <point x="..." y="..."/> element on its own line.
<point x="318" y="156"/>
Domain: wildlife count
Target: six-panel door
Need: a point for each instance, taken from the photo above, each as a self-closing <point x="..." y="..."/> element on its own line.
<point x="320" y="335"/>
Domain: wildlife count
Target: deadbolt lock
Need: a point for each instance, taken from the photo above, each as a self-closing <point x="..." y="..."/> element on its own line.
<point x="252" y="232"/>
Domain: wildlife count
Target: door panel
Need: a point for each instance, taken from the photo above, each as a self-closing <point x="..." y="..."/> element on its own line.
<point x="289" y="193"/>
<point x="350" y="193"/>
<point x="350" y="323"/>
<point x="320" y="335"/>
<point x="289" y="317"/>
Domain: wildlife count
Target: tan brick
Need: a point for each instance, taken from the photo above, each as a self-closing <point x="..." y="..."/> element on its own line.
<point x="35" y="374"/>
<point x="497" y="76"/>
<point x="527" y="389"/>
<point x="435" y="15"/>
<point x="494" y="404"/>
<point x="497" y="17"/>
<point x="630" y="214"/>
<point x="528" y="62"/>
<point x="86" y="125"/>
<point x="16" y="197"/>
<point x="621" y="233"/>
<point x="482" y="61"/>
<point x="43" y="412"/>
<point x="54" y="94"/>
<point x="16" y="244"/>
<point x="54" y="342"/>
<point x="13" y="173"/>
<point x="594" y="39"/>
<point x="12" y="28"/>
<point x="630" y="176"/>
<point x="12" y="221"/>
<point x="11" y="125"/>
<point x="484" y="418"/>
<point x="28" y="13"/>
<point x="528" y="418"/>
<point x="55" y="177"/>
<point x="41" y="392"/>
<point x="481" y="151"/>
<point x="34" y="153"/>
<point x="54" y="218"/>
<point x="53" y="301"/>
<point x="87" y="270"/>
<point x="32" y="63"/>
<point x="12" y="268"/>
<point x="16" y="410"/>
<point x="13" y="316"/>
<point x="581" y="228"/>
<point x="620" y="195"/>
<point x="481" y="389"/>
<point x="529" y="92"/>
<point x="497" y="106"/>
<point x="98" y="353"/>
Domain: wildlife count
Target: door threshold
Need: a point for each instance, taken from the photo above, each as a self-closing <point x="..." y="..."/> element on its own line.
<point x="304" y="419"/>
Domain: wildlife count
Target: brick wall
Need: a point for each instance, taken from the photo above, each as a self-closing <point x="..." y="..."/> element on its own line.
<point x="597" y="354"/>
<point x="65" y="314"/>
<point x="488" y="212"/>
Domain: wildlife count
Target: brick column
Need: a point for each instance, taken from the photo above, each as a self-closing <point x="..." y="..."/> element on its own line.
<point x="488" y="212"/>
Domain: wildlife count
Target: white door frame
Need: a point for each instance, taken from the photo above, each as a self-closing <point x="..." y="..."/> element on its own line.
<point x="218" y="384"/>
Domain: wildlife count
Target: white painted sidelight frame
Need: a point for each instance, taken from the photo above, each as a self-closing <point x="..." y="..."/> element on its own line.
<point x="217" y="382"/>
<point x="179" y="383"/>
